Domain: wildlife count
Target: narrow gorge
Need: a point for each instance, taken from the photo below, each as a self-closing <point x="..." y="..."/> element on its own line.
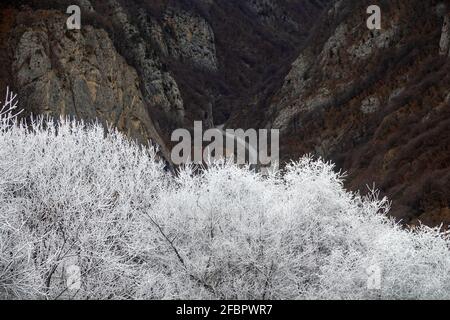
<point x="375" y="102"/>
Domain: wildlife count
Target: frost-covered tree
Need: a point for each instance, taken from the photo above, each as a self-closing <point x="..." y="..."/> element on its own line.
<point x="72" y="195"/>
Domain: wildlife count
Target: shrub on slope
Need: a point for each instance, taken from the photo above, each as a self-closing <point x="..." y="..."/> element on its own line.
<point x="69" y="195"/>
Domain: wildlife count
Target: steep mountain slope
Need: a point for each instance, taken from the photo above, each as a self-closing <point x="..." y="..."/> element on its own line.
<point x="194" y="60"/>
<point x="375" y="102"/>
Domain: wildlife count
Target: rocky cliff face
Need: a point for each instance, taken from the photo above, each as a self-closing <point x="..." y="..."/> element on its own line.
<point x="148" y="67"/>
<point x="375" y="102"/>
<point x="77" y="74"/>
